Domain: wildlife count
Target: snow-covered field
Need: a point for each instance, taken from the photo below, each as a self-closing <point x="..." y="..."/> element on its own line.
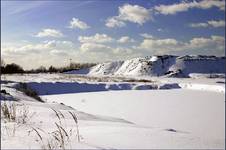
<point x="115" y="112"/>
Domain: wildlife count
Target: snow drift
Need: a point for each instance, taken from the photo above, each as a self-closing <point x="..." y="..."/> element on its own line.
<point x="165" y="65"/>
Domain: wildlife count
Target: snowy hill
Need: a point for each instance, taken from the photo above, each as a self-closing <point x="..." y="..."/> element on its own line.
<point x="165" y="65"/>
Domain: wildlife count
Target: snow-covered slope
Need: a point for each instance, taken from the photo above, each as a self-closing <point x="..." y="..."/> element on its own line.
<point x="199" y="64"/>
<point x="165" y="65"/>
<point x="106" y="68"/>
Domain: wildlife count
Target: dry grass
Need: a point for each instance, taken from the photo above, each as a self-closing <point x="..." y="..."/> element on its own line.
<point x="8" y="111"/>
<point x="60" y="137"/>
<point x="24" y="115"/>
<point x="76" y="123"/>
<point x="13" y="117"/>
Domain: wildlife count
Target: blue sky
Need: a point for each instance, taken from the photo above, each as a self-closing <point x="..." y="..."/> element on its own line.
<point x="36" y="33"/>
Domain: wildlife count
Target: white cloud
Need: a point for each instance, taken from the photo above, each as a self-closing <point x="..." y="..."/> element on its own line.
<point x="76" y="23"/>
<point x="199" y="43"/>
<point x="206" y="4"/>
<point x="216" y="24"/>
<point x="121" y="50"/>
<point x="94" y="47"/>
<point x="160" y="30"/>
<point x="134" y="13"/>
<point x="50" y="44"/>
<point x="131" y="13"/>
<point x="174" y="8"/>
<point x="162" y="44"/>
<point x="114" y="22"/>
<point x="38" y="48"/>
<point x="58" y="53"/>
<point x="146" y="35"/>
<point x="59" y="44"/>
<point x="185" y="6"/>
<point x="44" y="53"/>
<point x="29" y="48"/>
<point x="125" y="39"/>
<point x="49" y="33"/>
<point x="198" y="25"/>
<point x="214" y="42"/>
<point x="211" y="23"/>
<point x="97" y="38"/>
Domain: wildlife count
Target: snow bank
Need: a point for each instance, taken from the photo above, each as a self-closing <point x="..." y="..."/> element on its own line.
<point x="204" y="87"/>
<point x="49" y="88"/>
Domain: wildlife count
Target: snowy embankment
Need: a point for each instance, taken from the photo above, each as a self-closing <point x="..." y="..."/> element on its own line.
<point x="46" y="84"/>
<point x="166" y="65"/>
<point x="188" y="113"/>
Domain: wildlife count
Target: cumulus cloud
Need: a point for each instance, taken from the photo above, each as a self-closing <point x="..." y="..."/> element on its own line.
<point x="49" y="33"/>
<point x="95" y="43"/>
<point x="58" y="53"/>
<point x="122" y="50"/>
<point x="53" y="52"/>
<point x="211" y="23"/>
<point x="45" y="46"/>
<point x="50" y="44"/>
<point x="94" y="47"/>
<point x="58" y="44"/>
<point x="76" y="23"/>
<point x="185" y="6"/>
<point x="134" y="13"/>
<point x="216" y="24"/>
<point x="206" y="4"/>
<point x="97" y="38"/>
<point x="131" y="13"/>
<point x="199" y="43"/>
<point x="214" y="42"/>
<point x="114" y="22"/>
<point x="146" y="35"/>
<point x="125" y="39"/>
<point x="161" y="44"/>
<point x="198" y="25"/>
<point x="29" y="48"/>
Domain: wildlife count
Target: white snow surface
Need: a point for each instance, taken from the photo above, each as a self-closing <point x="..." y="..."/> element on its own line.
<point x="198" y="121"/>
<point x="165" y="65"/>
<point x="117" y="113"/>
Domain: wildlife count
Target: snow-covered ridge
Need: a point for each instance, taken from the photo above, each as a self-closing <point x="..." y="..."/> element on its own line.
<point x="165" y="65"/>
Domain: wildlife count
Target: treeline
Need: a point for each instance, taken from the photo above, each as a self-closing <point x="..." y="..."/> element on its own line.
<point x="11" y="68"/>
<point x="15" y="68"/>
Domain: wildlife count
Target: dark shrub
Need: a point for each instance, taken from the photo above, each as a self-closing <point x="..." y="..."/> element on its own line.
<point x="28" y="91"/>
<point x="52" y="69"/>
<point x="12" y="68"/>
<point x="4" y="92"/>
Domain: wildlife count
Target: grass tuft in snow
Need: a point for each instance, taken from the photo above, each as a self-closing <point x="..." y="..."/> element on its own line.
<point x="8" y="111"/>
<point x="76" y="122"/>
<point x="60" y="137"/>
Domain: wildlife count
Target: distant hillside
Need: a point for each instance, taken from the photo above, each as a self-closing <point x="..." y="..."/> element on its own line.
<point x="165" y="65"/>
